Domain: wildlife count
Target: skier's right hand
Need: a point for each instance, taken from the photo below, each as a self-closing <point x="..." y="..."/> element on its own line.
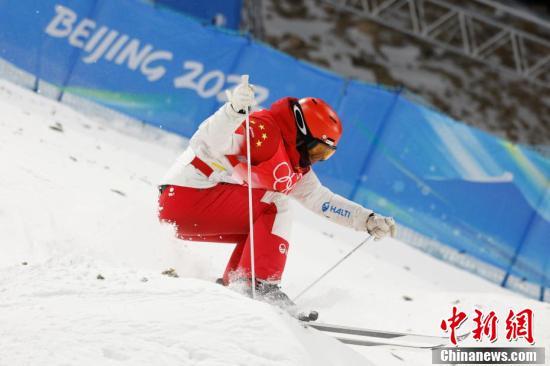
<point x="242" y="97"/>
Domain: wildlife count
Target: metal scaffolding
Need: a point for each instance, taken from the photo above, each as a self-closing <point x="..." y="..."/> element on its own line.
<point x="491" y="33"/>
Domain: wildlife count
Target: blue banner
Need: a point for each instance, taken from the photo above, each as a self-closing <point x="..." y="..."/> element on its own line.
<point x="462" y="187"/>
<point x="224" y="13"/>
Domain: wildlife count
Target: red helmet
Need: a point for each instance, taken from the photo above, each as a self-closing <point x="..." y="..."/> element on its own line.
<point x="322" y="121"/>
<point x="324" y="126"/>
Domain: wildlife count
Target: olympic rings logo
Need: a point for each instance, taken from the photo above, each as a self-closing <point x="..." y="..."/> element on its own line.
<point x="284" y="176"/>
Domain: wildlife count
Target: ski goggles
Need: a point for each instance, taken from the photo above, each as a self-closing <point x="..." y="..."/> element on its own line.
<point x="320" y="150"/>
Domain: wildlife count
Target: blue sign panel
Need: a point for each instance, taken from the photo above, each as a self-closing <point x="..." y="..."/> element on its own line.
<point x="225" y="13"/>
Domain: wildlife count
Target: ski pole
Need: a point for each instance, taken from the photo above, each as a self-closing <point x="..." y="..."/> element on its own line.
<point x="334" y="266"/>
<point x="244" y="80"/>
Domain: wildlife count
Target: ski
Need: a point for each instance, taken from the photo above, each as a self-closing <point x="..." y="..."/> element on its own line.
<point x="363" y="342"/>
<point x="371" y="337"/>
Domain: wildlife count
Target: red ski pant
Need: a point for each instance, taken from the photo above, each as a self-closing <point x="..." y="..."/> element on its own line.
<point x="220" y="214"/>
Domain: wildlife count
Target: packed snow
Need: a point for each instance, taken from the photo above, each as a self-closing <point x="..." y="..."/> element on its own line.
<point x="81" y="257"/>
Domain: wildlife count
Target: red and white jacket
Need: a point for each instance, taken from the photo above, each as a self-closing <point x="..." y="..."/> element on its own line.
<point x="219" y="145"/>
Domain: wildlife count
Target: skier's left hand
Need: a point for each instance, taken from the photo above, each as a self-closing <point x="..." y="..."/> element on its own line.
<point x="381" y="226"/>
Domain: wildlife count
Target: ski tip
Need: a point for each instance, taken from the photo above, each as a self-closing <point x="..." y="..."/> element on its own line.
<point x="463" y="336"/>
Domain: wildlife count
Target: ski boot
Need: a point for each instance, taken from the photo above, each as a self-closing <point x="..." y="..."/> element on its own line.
<point x="273" y="294"/>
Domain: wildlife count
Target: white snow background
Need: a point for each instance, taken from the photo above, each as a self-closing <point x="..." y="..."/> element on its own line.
<point x="78" y="199"/>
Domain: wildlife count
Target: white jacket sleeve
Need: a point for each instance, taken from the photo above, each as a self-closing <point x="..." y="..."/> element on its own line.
<point x="213" y="140"/>
<point x="313" y="195"/>
<point x="214" y="135"/>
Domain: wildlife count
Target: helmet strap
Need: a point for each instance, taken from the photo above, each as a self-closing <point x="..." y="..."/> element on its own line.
<point x="304" y="153"/>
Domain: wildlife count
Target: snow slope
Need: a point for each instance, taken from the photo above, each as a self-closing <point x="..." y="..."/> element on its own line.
<point x="141" y="318"/>
<point x="78" y="203"/>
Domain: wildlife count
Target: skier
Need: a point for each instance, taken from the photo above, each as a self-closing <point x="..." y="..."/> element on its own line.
<point x="205" y="195"/>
